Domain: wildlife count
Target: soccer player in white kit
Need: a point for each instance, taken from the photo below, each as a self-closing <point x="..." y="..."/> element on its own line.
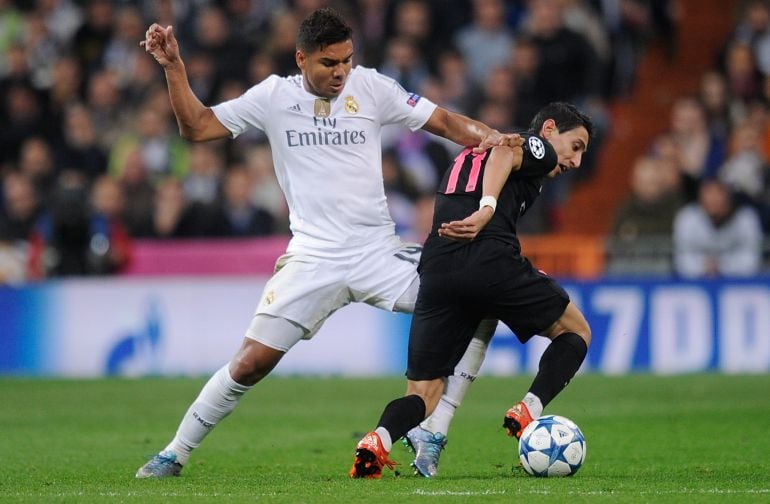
<point x="324" y="129"/>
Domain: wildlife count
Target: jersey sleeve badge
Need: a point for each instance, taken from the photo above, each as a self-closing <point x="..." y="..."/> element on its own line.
<point x="413" y="99"/>
<point x="536" y="147"/>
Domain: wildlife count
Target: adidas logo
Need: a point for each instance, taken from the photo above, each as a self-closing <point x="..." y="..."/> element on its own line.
<point x="295" y="108"/>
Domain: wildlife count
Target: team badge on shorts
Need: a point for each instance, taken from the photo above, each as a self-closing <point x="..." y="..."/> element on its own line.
<point x="536" y="147"/>
<point x="270" y="298"/>
<point x="351" y="105"/>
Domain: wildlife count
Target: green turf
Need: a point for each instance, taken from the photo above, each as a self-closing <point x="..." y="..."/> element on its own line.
<point x="703" y="438"/>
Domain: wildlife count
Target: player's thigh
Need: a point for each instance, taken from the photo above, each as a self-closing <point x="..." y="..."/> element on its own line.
<point x="386" y="275"/>
<point x="275" y="332"/>
<point x="440" y="332"/>
<point x="529" y="302"/>
<point x="305" y="291"/>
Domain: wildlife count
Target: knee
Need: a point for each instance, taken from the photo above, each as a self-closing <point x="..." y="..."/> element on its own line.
<point x="253" y="362"/>
<point x="584" y="331"/>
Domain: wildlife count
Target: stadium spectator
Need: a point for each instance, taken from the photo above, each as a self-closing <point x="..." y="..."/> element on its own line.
<point x="400" y="189"/>
<point x="82" y="233"/>
<point x="121" y="52"/>
<point x="715" y="238"/>
<point x="164" y="153"/>
<point x="324" y="127"/>
<point x="753" y="31"/>
<point x="452" y="76"/>
<point x="203" y="181"/>
<point x="78" y="149"/>
<point x="718" y="105"/>
<point x="139" y="195"/>
<point x="642" y="229"/>
<point x="743" y="78"/>
<point x="524" y="65"/>
<point x="498" y="90"/>
<point x="649" y="210"/>
<point x="700" y="151"/>
<point x="65" y="90"/>
<point x="92" y="37"/>
<point x="103" y="99"/>
<point x="237" y="215"/>
<point x="487" y="41"/>
<point x="265" y="190"/>
<point x="561" y="52"/>
<point x="174" y="216"/>
<point x="404" y="63"/>
<point x="21" y="208"/>
<point x="745" y="168"/>
<point x="36" y="162"/>
<point x="414" y="20"/>
<point x="370" y="20"/>
<point x="62" y="18"/>
<point x="11" y="29"/>
<point x="23" y="118"/>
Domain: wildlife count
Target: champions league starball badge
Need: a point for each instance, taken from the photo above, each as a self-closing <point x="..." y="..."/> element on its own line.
<point x="536" y="147"/>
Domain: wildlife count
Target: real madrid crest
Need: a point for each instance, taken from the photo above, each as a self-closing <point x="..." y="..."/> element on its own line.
<point x="351" y="105"/>
<point x="322" y="107"/>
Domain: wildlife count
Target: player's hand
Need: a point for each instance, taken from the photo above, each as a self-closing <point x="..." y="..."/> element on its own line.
<point x="161" y="43"/>
<point x="468" y="228"/>
<point x="495" y="138"/>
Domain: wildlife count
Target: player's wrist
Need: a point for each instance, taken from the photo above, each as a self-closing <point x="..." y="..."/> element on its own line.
<point x="488" y="201"/>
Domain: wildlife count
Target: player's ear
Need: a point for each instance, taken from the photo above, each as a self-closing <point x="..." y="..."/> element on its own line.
<point x="549" y="126"/>
<point x="300" y="58"/>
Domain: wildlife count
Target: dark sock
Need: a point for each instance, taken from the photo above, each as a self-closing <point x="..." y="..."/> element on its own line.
<point x="559" y="363"/>
<point x="401" y="415"/>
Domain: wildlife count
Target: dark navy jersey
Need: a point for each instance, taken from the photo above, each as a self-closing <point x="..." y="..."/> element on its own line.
<point x="461" y="189"/>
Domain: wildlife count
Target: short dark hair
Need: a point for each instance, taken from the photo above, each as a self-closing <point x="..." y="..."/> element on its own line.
<point x="322" y="28"/>
<point x="565" y="115"/>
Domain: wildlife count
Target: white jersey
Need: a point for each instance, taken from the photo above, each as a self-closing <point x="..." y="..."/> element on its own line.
<point x="329" y="168"/>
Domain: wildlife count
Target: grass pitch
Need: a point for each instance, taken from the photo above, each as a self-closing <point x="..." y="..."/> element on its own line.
<point x="700" y="438"/>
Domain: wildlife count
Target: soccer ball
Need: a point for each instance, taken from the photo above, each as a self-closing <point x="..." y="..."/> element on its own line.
<point x="552" y="445"/>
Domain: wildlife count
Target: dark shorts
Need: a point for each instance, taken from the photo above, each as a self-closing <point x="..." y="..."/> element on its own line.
<point x="484" y="280"/>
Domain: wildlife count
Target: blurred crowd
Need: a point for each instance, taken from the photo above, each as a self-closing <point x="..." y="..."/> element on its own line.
<point x="700" y="197"/>
<point x="90" y="157"/>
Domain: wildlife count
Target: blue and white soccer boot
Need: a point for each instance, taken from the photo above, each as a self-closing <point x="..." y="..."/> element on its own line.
<point x="427" y="448"/>
<point x="162" y="465"/>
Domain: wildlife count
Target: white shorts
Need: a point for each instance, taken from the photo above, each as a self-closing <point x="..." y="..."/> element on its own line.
<point x="306" y="289"/>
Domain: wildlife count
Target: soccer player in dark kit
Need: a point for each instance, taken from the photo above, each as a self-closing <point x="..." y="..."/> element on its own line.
<point x="472" y="268"/>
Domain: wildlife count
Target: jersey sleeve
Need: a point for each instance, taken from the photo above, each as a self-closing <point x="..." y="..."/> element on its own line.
<point x="251" y="109"/>
<point x="539" y="157"/>
<point x="398" y="106"/>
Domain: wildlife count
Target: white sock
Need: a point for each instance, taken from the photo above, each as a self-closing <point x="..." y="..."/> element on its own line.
<point x="457" y="384"/>
<point x="387" y="443"/>
<point x="534" y="405"/>
<point x="217" y="399"/>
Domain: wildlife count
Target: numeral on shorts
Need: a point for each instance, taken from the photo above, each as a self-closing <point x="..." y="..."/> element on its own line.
<point x="411" y="250"/>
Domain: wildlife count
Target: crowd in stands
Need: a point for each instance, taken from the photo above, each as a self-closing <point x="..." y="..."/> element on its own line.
<point x="90" y="157"/>
<point x="700" y="199"/>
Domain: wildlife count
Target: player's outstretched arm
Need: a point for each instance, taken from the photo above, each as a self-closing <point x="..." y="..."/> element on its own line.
<point x="502" y="160"/>
<point x="468" y="132"/>
<point x="196" y="121"/>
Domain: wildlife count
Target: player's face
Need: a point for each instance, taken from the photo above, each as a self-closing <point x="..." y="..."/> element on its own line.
<point x="326" y="70"/>
<point x="569" y="146"/>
